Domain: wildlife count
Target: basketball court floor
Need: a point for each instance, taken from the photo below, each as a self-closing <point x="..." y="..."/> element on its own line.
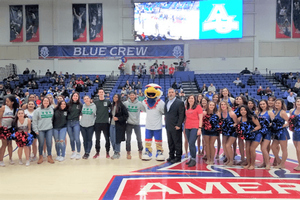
<point x="108" y="179"/>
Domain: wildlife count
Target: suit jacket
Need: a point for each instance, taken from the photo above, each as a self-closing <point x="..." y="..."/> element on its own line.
<point x="175" y="115"/>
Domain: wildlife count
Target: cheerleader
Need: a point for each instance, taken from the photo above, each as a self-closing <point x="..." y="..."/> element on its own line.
<point x="216" y="99"/>
<point x="252" y="106"/>
<point x="29" y="113"/>
<point x="296" y="131"/>
<point x="23" y="123"/>
<point x="7" y="113"/>
<point x="199" y="98"/>
<point x="210" y="136"/>
<point x="281" y="135"/>
<point x="251" y="144"/>
<point x="203" y="104"/>
<point x="225" y="96"/>
<point x="264" y="112"/>
<point x="229" y="135"/>
<point x="271" y="103"/>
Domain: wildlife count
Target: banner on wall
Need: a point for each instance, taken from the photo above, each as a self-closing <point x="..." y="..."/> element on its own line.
<point x="296" y="18"/>
<point x="32" y="23"/>
<point x="16" y="23"/>
<point x="95" y="22"/>
<point x="111" y="52"/>
<point x="283" y="19"/>
<point x="79" y="22"/>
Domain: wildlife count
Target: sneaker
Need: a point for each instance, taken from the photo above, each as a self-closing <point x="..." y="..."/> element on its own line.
<point x="57" y="158"/>
<point x="32" y="159"/>
<point x="147" y="155"/>
<point x="73" y="155"/>
<point x="20" y="162"/>
<point x="97" y="155"/>
<point x="115" y="156"/>
<point x="27" y="163"/>
<point x="2" y="164"/>
<point x="85" y="156"/>
<point x="45" y="155"/>
<point x="192" y="163"/>
<point x="78" y="156"/>
<point x="107" y="155"/>
<point x="11" y="162"/>
<point x="61" y="159"/>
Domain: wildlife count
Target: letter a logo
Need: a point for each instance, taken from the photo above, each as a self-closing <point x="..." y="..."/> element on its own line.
<point x="220" y="21"/>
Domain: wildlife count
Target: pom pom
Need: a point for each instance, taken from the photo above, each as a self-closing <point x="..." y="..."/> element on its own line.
<point x="227" y="127"/>
<point x="276" y="126"/>
<point x="244" y="130"/>
<point x="30" y="139"/>
<point x="22" y="138"/>
<point x="294" y="123"/>
<point x="206" y="123"/>
<point x="4" y="133"/>
<point x="215" y="123"/>
<point x="265" y="124"/>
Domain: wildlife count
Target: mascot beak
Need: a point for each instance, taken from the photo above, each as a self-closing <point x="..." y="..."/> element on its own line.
<point x="152" y="93"/>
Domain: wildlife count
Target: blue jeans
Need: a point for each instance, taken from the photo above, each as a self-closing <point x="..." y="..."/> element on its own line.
<point x="74" y="132"/>
<point x="59" y="137"/>
<point x="41" y="137"/>
<point x="191" y="135"/>
<point x="113" y="135"/>
<point x="87" y="135"/>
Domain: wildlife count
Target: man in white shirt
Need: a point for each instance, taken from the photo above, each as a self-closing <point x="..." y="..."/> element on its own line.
<point x="211" y="88"/>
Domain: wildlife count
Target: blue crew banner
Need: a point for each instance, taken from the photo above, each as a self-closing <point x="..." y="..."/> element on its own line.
<point x="111" y="52"/>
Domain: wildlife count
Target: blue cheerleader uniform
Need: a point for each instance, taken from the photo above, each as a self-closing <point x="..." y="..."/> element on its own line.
<point x="268" y="134"/>
<point x="296" y="133"/>
<point x="284" y="133"/>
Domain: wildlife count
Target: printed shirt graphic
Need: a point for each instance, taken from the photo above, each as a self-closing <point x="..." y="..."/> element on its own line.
<point x="133" y="108"/>
<point x="87" y="111"/>
<point x="46" y="114"/>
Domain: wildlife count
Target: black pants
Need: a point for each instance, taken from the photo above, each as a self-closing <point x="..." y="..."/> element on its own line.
<point x="175" y="143"/>
<point x="105" y="128"/>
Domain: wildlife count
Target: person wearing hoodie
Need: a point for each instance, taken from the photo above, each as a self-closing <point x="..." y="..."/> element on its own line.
<point x="133" y="107"/>
<point x="60" y="118"/>
<point x="43" y="127"/>
<point x="87" y="123"/>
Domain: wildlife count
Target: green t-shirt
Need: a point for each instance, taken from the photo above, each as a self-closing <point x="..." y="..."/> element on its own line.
<point x="103" y="109"/>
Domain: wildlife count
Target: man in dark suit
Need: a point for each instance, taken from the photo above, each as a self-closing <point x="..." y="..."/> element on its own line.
<point x="174" y="116"/>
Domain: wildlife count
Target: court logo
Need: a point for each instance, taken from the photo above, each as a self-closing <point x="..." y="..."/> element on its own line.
<point x="44" y="52"/>
<point x="220" y="21"/>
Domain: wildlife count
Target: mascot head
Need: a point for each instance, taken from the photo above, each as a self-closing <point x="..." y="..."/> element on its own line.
<point x="153" y="91"/>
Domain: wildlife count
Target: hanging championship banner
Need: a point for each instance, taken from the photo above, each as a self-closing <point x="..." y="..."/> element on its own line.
<point x="96" y="22"/>
<point x="79" y="22"/>
<point x="32" y="23"/>
<point x="16" y="23"/>
<point x="283" y="19"/>
<point x="296" y="18"/>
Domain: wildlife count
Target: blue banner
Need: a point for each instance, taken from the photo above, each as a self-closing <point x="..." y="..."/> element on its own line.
<point x="111" y="52"/>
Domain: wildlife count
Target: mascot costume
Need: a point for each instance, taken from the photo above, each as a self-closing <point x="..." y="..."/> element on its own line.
<point x="154" y="107"/>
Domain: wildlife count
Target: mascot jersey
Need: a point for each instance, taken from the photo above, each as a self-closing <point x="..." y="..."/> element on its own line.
<point x="154" y="115"/>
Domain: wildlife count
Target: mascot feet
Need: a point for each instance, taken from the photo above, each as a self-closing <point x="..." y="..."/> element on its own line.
<point x="147" y="155"/>
<point x="160" y="156"/>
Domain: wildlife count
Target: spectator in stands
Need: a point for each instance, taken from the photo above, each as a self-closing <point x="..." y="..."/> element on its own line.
<point x="144" y="69"/>
<point x="61" y="81"/>
<point x="7" y="85"/>
<point x="44" y="93"/>
<point x="73" y="76"/>
<point x="127" y="85"/>
<point x="32" y="72"/>
<point x="26" y="71"/>
<point x="245" y="71"/>
<point x="70" y="86"/>
<point x="89" y="82"/>
<point x="251" y="81"/>
<point x="34" y="85"/>
<point x="2" y="92"/>
<point x="260" y="91"/>
<point x="57" y="94"/>
<point x="291" y="76"/>
<point x="98" y="80"/>
<point x="171" y="70"/>
<point x="155" y="64"/>
<point x="122" y="68"/>
<point x="211" y="88"/>
<point x="129" y="90"/>
<point x="56" y="82"/>
<point x="203" y="89"/>
<point x="175" y="86"/>
<point x="152" y="72"/>
<point x="67" y="75"/>
<point x="133" y="68"/>
<point x="268" y="91"/>
<point x="107" y="96"/>
<point x="54" y="75"/>
<point x="48" y="73"/>
<point x="123" y="97"/>
<point x="291" y="100"/>
<point x="138" y="85"/>
<point x="286" y="93"/>
<point x="50" y="90"/>
<point x="18" y="92"/>
<point x="182" y="96"/>
<point x="248" y="97"/>
<point x="123" y="91"/>
<point x="133" y="86"/>
<point x="256" y="72"/>
<point x="29" y="85"/>
<point x="160" y="71"/>
<point x="79" y="85"/>
<point x="297" y="86"/>
<point x="209" y="95"/>
<point x="138" y="72"/>
<point x="65" y="92"/>
<point x="85" y="88"/>
<point x="237" y="81"/>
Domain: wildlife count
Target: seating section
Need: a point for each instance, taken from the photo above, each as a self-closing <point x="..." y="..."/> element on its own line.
<point x="290" y="83"/>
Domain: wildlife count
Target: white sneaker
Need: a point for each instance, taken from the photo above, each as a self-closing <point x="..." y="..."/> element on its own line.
<point x="31" y="155"/>
<point x="32" y="159"/>
<point x="57" y="158"/>
<point x="45" y="155"/>
<point x="73" y="155"/>
<point x="27" y="163"/>
<point x="61" y="159"/>
<point x="78" y="156"/>
<point x="20" y="162"/>
<point x="2" y="164"/>
<point x="11" y="162"/>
